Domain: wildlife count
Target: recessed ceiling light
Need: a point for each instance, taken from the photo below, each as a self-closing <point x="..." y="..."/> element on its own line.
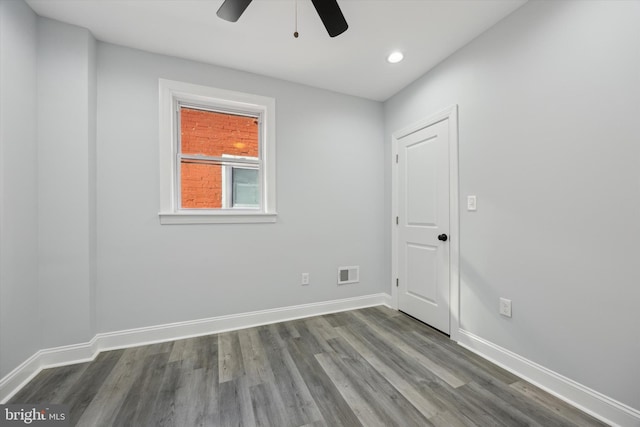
<point x="395" y="57"/>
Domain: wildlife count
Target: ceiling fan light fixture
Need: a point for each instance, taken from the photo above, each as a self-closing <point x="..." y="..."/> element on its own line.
<point x="395" y="57"/>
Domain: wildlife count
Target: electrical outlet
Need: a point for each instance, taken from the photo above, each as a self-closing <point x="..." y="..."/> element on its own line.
<point x="505" y="307"/>
<point x="305" y="279"/>
<point x="472" y="204"/>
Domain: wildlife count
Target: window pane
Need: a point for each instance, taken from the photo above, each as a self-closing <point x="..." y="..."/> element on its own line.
<point x="245" y="188"/>
<point x="201" y="185"/>
<point x="215" y="134"/>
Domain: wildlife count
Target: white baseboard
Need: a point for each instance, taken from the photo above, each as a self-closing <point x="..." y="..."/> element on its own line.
<point x="46" y="358"/>
<point x="590" y="401"/>
<point x="77" y="353"/>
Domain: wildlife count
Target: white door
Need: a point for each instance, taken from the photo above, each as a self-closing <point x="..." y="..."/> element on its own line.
<point x="423" y="224"/>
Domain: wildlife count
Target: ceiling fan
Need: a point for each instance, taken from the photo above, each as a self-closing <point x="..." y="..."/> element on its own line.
<point x="328" y="10"/>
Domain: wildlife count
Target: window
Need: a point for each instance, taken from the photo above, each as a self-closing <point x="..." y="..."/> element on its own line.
<point x="240" y="184"/>
<point x="214" y="149"/>
<point x="217" y="155"/>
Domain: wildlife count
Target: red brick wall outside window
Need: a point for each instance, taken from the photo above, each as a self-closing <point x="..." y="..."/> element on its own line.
<point x="212" y="134"/>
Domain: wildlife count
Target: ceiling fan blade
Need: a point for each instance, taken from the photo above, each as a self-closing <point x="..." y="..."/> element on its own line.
<point x="331" y="16"/>
<point x="231" y="10"/>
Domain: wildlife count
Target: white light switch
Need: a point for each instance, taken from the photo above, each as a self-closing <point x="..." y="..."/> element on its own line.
<point x="471" y="203"/>
<point x="505" y="307"/>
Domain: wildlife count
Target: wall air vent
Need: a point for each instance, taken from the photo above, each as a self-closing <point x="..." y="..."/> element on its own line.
<point x="348" y="274"/>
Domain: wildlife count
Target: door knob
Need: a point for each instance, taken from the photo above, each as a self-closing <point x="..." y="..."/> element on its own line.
<point x="443" y="237"/>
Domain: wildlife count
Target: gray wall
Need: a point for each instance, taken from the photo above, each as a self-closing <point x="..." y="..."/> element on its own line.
<point x="48" y="188"/>
<point x="549" y="102"/>
<point x="66" y="184"/>
<point x="329" y="191"/>
<point x="19" y="316"/>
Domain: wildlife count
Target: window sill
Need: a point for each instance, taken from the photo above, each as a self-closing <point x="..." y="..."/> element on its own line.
<point x="168" y="218"/>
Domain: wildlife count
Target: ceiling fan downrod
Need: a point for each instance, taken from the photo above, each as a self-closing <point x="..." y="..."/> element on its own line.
<point x="295" y="31"/>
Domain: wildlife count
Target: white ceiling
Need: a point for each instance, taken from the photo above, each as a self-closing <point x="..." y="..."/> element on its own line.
<point x="262" y="41"/>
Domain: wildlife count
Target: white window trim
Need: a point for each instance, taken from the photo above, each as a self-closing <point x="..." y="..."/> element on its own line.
<point x="172" y="92"/>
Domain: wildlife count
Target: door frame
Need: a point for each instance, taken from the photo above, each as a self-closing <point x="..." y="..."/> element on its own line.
<point x="450" y="113"/>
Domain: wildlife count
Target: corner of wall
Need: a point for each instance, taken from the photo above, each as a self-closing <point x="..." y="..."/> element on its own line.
<point x="19" y="328"/>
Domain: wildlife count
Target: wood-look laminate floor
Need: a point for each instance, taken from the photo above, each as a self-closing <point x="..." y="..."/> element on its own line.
<point x="369" y="367"/>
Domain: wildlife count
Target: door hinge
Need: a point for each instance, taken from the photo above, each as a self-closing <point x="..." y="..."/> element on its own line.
<point x="396" y="158"/>
<point x="397" y="282"/>
<point x="397" y="220"/>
